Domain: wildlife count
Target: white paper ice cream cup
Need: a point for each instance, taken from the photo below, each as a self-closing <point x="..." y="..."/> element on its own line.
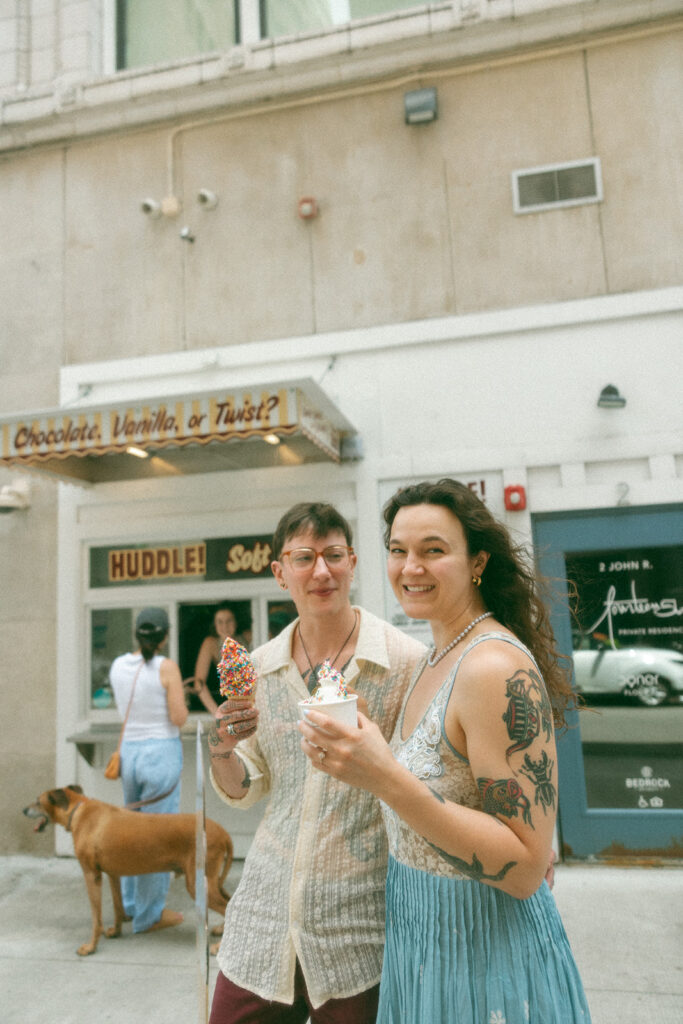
<point x="345" y="711"/>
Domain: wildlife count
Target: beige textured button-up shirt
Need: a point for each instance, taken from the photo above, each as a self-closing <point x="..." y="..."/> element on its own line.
<point x="313" y="881"/>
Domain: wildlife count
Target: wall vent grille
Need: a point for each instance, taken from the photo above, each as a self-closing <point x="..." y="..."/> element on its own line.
<point x="556" y="185"/>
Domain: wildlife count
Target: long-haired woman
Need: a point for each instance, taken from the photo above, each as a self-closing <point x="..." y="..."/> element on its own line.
<point x="469" y="781"/>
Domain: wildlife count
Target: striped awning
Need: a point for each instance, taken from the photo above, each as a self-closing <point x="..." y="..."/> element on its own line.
<point x="287" y="424"/>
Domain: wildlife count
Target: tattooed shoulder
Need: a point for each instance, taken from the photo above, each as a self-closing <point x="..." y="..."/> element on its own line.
<point x="528" y="713"/>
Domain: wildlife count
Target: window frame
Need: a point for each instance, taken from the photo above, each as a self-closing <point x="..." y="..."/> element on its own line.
<point x="114" y="34"/>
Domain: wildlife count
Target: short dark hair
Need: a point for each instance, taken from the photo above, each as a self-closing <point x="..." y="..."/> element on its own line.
<point x="316" y="516"/>
<point x="510" y="587"/>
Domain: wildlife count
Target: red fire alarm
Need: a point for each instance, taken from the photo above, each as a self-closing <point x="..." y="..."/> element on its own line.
<point x="515" y="498"/>
<point x="308" y="208"/>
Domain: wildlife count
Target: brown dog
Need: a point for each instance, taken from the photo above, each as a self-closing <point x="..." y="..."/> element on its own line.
<point x="120" y="842"/>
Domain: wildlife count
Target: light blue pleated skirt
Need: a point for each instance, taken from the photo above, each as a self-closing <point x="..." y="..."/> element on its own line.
<point x="459" y="952"/>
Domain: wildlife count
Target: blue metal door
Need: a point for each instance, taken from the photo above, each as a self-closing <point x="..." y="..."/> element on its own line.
<point x="619" y="614"/>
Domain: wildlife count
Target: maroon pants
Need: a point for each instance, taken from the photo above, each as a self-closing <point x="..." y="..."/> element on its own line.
<point x="235" y="1005"/>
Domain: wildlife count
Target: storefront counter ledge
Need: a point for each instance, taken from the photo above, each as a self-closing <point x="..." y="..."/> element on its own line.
<point x="99" y="740"/>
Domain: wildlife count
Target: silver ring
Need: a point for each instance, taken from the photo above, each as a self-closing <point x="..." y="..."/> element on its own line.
<point x="230" y="729"/>
<point x="321" y="755"/>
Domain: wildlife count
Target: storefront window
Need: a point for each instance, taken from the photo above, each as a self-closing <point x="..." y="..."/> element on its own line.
<point x="161" y="31"/>
<point x="628" y="663"/>
<point x="112" y="632"/>
<point x="286" y="17"/>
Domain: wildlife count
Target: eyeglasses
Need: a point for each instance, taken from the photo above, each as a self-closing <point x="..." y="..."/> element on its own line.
<point x="303" y="559"/>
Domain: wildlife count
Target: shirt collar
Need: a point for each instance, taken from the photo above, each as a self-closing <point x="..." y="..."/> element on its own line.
<point x="371" y="645"/>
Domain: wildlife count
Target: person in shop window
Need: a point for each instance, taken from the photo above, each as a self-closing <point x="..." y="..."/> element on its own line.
<point x="205" y="682"/>
<point x="304" y="931"/>
<point x="151" y="752"/>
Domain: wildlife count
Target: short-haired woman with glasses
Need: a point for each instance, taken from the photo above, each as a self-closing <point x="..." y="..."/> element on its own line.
<point x="304" y="932"/>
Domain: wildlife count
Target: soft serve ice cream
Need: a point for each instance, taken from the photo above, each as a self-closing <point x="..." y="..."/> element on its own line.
<point x="332" y="697"/>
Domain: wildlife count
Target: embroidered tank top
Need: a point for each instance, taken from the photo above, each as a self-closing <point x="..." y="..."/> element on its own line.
<point x="428" y="754"/>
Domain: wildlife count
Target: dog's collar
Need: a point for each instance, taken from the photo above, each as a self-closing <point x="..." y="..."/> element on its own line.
<point x="71" y="814"/>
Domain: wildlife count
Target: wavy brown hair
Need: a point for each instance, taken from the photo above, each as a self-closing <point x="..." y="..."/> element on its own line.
<point x="510" y="588"/>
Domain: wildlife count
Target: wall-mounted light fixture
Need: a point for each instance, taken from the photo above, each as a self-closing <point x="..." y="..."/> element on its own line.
<point x="207" y="199"/>
<point x="610" y="398"/>
<point x="168" y="207"/>
<point x="139" y="453"/>
<point x="352" y="449"/>
<point x="151" y="207"/>
<point x="271" y="438"/>
<point x="420" y="106"/>
<point x="307" y="208"/>
<point x="15" y="496"/>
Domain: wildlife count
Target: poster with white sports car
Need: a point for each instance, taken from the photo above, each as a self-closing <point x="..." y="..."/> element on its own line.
<point x="628" y="625"/>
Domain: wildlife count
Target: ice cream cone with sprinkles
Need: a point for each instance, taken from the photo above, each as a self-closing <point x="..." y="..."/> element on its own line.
<point x="237" y="674"/>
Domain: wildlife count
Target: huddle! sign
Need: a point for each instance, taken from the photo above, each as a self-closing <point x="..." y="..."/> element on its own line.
<point x="216" y="558"/>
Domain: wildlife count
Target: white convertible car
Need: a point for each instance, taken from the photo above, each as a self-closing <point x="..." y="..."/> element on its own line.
<point x="650" y="675"/>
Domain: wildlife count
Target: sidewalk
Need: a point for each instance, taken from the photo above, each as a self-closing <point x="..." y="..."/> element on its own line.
<point x="624" y="925"/>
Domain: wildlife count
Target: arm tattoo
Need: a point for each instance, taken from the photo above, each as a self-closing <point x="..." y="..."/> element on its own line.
<point x="528" y="711"/>
<point x="504" y="796"/>
<point x="213" y="740"/>
<point x="475" y="869"/>
<point x="540" y="773"/>
<point x="225" y="756"/>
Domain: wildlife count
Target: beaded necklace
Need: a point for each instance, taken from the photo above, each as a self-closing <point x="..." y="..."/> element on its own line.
<point x="435" y="658"/>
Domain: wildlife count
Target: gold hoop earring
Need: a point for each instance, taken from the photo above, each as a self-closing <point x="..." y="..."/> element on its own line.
<point x="476" y="580"/>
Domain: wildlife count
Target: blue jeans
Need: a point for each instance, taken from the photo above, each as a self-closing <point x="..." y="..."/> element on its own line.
<point x="149" y="767"/>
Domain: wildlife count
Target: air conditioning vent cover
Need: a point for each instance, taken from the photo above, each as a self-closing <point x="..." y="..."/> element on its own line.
<point x="557" y="185"/>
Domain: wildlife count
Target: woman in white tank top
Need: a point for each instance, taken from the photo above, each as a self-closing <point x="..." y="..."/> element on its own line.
<point x="151" y="752"/>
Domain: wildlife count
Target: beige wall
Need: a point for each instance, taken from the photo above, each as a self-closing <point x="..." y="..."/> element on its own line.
<point x="415" y="222"/>
<point x="31" y="316"/>
<point x="28" y="673"/>
<point x="637" y="115"/>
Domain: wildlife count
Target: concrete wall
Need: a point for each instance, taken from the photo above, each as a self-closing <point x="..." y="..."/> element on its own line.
<point x="28" y="670"/>
<point x="415" y="222"/>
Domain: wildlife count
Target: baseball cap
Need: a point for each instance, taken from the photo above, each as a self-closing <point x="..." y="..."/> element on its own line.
<point x="153" y="620"/>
